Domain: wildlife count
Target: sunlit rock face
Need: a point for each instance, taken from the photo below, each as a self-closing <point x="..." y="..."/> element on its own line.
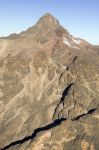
<point x="49" y="90"/>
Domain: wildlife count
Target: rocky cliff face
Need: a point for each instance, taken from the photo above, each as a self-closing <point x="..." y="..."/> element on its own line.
<point x="49" y="90"/>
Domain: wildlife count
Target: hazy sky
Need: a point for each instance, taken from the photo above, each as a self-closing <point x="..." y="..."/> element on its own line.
<point x="80" y="17"/>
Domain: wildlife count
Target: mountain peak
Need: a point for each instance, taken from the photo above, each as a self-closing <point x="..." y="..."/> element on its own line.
<point x="48" y="20"/>
<point x="48" y="14"/>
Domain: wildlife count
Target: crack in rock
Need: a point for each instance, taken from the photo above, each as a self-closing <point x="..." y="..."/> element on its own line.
<point x="75" y="58"/>
<point x="90" y="112"/>
<point x="34" y="134"/>
<point x="64" y="94"/>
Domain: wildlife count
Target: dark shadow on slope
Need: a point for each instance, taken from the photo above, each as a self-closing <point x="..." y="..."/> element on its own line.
<point x="90" y="112"/>
<point x="65" y="92"/>
<point x="36" y="131"/>
<point x="72" y="62"/>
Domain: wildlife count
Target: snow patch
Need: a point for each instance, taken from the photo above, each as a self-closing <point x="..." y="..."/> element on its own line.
<point x="77" y="41"/>
<point x="66" y="41"/>
<point x="64" y="67"/>
<point x="74" y="43"/>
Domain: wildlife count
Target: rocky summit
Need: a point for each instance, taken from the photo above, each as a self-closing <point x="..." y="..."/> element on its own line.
<point x="49" y="90"/>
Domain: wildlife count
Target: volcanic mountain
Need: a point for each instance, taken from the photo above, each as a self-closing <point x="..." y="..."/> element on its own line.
<point x="49" y="90"/>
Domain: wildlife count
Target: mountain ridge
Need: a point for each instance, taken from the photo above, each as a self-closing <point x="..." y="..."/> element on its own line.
<point x="47" y="17"/>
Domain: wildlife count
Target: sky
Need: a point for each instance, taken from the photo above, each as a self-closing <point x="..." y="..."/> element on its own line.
<point x="79" y="17"/>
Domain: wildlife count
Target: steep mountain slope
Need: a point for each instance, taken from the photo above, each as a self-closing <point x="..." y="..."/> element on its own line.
<point x="49" y="90"/>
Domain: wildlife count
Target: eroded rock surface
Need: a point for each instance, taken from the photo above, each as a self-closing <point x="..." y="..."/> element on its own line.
<point x="49" y="90"/>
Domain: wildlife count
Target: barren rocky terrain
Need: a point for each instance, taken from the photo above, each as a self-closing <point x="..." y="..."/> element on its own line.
<point x="49" y="90"/>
